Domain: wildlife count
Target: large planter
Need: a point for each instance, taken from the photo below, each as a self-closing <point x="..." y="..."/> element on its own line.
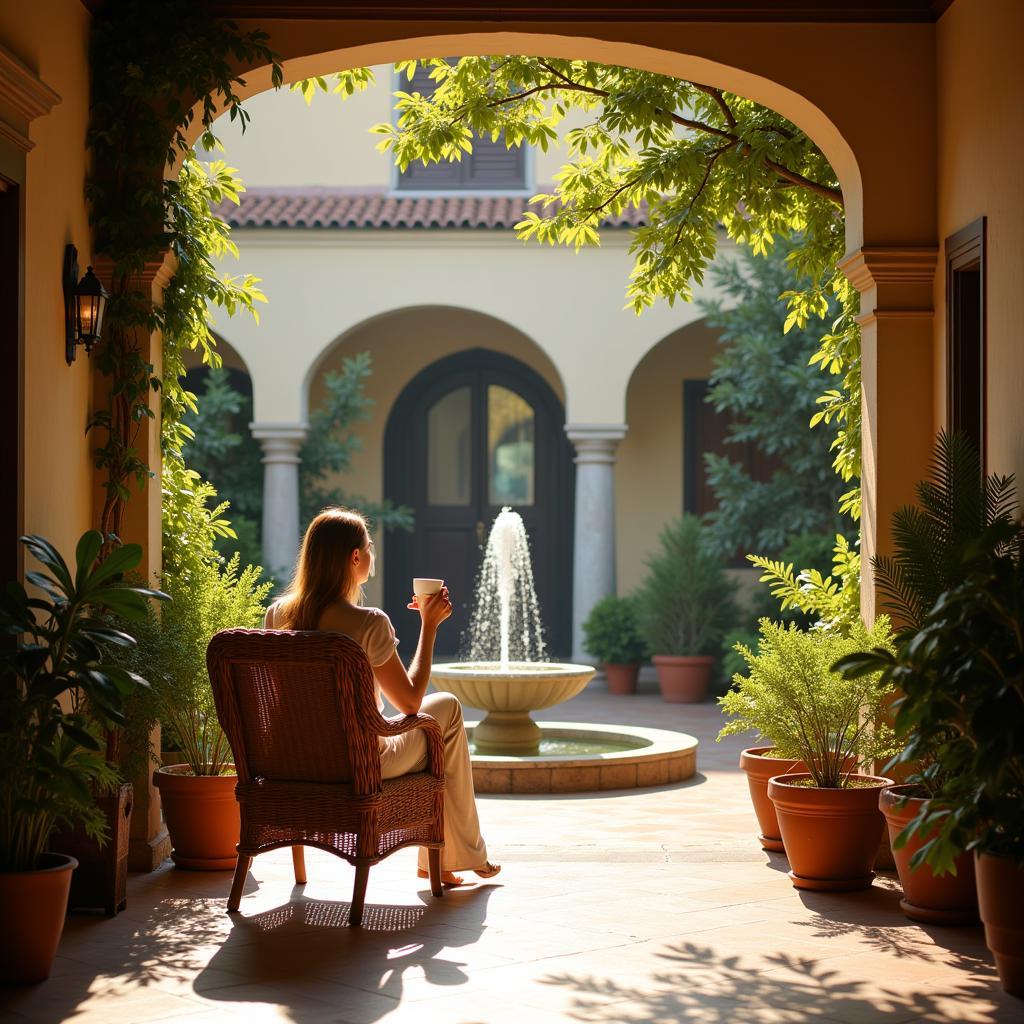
<point x="33" y="905"/>
<point x="101" y="881"/>
<point x="202" y="817"/>
<point x="1001" y="902"/>
<point x="927" y="897"/>
<point x="760" y="769"/>
<point x="683" y="679"/>
<point x="622" y="678"/>
<point x="831" y="836"/>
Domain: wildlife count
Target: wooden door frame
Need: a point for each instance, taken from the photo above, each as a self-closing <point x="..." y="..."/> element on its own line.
<point x="399" y="452"/>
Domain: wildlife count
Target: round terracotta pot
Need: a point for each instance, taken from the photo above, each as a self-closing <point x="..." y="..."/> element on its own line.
<point x="33" y="905"/>
<point x="202" y="817"/>
<point x="759" y="770"/>
<point x="831" y="835"/>
<point x="927" y="897"/>
<point x="683" y="679"/>
<point x="1001" y="902"/>
<point x="622" y="678"/>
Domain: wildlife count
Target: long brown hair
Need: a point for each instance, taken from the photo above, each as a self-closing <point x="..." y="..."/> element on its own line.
<point x="324" y="570"/>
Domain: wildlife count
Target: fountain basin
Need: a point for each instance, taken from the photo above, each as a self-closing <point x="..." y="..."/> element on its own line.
<point x="508" y="696"/>
<point x="655" y="757"/>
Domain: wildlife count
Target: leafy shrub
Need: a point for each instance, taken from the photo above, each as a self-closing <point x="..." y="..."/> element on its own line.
<point x="792" y="697"/>
<point x="612" y="632"/>
<point x="961" y="706"/>
<point x="208" y="599"/>
<point x="60" y="692"/>
<point x="687" y="600"/>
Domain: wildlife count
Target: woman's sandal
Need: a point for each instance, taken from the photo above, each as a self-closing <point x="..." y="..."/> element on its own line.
<point x="453" y="881"/>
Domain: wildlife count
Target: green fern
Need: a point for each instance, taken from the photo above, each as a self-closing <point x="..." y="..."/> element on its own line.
<point x="955" y="506"/>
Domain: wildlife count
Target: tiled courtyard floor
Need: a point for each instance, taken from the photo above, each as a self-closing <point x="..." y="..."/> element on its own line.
<point x="652" y="905"/>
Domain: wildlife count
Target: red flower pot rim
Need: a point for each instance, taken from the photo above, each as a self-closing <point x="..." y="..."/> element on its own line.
<point x="183" y="771"/>
<point x="793" y="782"/>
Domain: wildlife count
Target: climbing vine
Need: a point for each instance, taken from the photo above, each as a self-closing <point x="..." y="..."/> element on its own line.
<point x="157" y="68"/>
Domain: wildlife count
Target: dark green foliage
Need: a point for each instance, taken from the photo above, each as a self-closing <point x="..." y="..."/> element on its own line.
<point x="332" y="443"/>
<point x="955" y="505"/>
<point x="61" y="691"/>
<point x="961" y="709"/>
<point x="612" y="631"/>
<point x="223" y="451"/>
<point x="764" y="380"/>
<point x="687" y="600"/>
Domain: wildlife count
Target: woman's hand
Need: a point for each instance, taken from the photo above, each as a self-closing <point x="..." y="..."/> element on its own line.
<point x="433" y="608"/>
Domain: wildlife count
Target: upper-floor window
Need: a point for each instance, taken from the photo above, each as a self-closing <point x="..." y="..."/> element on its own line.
<point x="491" y="167"/>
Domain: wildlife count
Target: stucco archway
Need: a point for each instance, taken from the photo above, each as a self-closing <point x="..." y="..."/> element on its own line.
<point x="890" y="225"/>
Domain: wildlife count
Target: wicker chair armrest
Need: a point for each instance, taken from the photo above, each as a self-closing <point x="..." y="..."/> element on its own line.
<point x="435" y="744"/>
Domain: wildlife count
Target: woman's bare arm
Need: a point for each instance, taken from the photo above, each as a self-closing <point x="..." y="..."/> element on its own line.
<point x="405" y="689"/>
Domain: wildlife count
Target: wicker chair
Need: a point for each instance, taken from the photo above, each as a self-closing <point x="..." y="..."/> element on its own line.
<point x="300" y="713"/>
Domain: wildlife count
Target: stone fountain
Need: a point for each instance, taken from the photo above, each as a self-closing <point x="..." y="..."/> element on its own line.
<point x="507" y="674"/>
<point x="506" y="621"/>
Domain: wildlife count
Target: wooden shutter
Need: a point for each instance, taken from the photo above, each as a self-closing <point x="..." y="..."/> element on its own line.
<point x="705" y="430"/>
<point x="491" y="167"/>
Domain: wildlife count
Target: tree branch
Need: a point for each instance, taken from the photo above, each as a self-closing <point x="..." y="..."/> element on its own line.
<point x="716" y="95"/>
<point x="834" y="195"/>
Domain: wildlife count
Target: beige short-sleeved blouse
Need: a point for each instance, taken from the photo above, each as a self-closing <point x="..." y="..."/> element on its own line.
<point x="373" y="632"/>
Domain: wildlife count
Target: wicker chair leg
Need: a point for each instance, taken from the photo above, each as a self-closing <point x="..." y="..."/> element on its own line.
<point x="434" y="870"/>
<point x="238" y="882"/>
<point x="299" y="864"/>
<point x="355" y="917"/>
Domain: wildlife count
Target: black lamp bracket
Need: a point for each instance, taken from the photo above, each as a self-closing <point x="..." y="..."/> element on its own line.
<point x="70" y="282"/>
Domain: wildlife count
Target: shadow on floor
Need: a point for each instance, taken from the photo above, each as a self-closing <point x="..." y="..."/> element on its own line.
<point x="699" y="984"/>
<point x="305" y="946"/>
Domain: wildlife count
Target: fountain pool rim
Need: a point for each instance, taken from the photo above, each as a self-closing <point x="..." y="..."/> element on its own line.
<point x="524" y="670"/>
<point x="663" y="757"/>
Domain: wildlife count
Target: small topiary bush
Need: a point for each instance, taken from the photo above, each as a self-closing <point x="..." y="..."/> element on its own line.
<point x="612" y="632"/>
<point x="687" y="601"/>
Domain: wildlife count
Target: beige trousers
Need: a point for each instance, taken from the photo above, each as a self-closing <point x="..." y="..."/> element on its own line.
<point x="463" y="845"/>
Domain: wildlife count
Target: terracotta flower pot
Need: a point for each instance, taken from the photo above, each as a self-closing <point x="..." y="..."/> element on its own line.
<point x="831" y="835"/>
<point x="759" y="770"/>
<point x="1001" y="902"/>
<point x="683" y="679"/>
<point x="33" y="905"/>
<point x="927" y="897"/>
<point x="202" y="817"/>
<point x="622" y="678"/>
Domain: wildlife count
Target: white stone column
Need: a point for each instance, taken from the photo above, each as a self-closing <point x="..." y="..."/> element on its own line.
<point x="594" y="524"/>
<point x="281" y="443"/>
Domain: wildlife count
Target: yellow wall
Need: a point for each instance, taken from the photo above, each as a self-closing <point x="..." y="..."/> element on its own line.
<point x="329" y="143"/>
<point x="649" y="471"/>
<point x="981" y="173"/>
<point x="57" y="489"/>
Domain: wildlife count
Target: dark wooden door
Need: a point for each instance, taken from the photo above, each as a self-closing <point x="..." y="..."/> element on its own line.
<point x="471" y="434"/>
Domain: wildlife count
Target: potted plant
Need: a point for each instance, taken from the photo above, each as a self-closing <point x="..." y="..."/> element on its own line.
<point x="612" y="635"/>
<point x="828" y="814"/>
<point x="961" y="680"/>
<point x="59" y="694"/>
<point x="198" y="794"/>
<point x="686" y="606"/>
<point x="937" y="543"/>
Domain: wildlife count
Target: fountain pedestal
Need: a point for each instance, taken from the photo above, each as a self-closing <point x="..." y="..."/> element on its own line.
<point x="508" y="696"/>
<point x="508" y="734"/>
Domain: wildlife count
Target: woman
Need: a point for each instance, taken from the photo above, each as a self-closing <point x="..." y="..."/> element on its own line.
<point x="336" y="559"/>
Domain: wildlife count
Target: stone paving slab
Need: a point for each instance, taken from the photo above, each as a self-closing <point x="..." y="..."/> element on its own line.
<point x="620" y="908"/>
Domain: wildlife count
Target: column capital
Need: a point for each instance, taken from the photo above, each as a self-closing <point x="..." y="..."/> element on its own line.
<point x="895" y="281"/>
<point x="281" y="441"/>
<point x="595" y="442"/>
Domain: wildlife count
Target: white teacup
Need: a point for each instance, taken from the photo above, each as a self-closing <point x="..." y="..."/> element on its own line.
<point x="423" y="587"/>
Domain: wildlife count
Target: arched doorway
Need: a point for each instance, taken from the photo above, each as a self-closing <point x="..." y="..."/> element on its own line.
<point x="471" y="433"/>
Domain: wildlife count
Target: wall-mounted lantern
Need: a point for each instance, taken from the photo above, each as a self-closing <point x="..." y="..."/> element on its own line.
<point x="84" y="305"/>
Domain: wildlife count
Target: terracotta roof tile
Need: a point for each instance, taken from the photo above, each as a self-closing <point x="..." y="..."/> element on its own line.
<point x="340" y="209"/>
